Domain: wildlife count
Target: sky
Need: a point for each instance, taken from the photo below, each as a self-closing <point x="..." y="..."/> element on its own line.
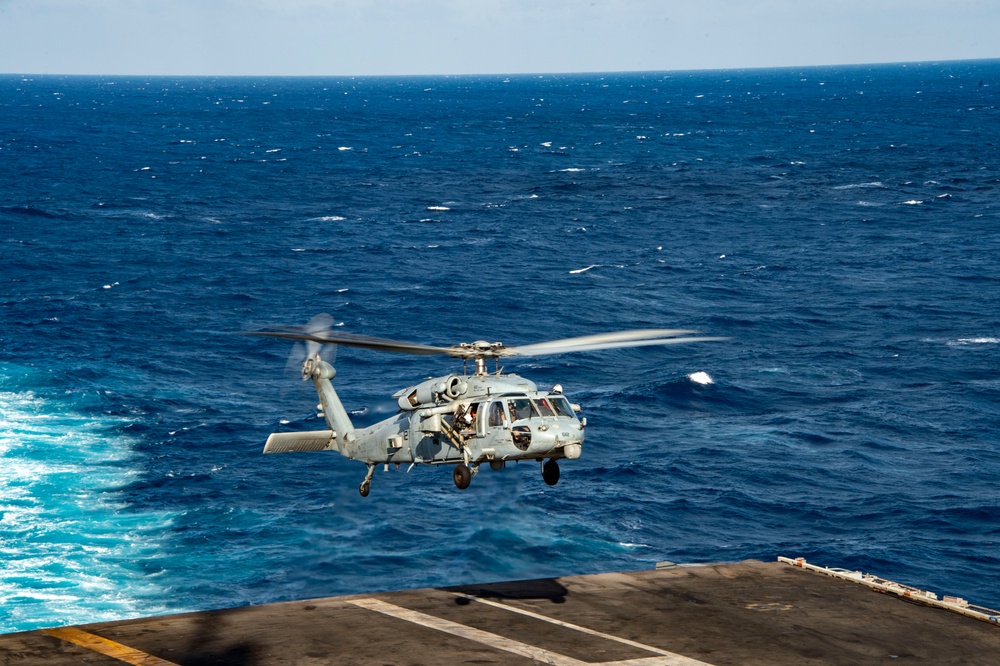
<point x="407" y="37"/>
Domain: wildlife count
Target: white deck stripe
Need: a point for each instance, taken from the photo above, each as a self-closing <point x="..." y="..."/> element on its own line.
<point x="456" y="629"/>
<point x="676" y="660"/>
<point x="509" y="645"/>
<point x="687" y="661"/>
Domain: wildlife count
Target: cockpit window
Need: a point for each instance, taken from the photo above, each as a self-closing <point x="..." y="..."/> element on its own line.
<point x="561" y="406"/>
<point x="543" y="407"/>
<point x="521" y="408"/>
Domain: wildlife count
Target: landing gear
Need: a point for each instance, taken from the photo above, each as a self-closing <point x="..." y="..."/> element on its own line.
<point x="550" y="472"/>
<point x="462" y="476"/>
<point x="366" y="485"/>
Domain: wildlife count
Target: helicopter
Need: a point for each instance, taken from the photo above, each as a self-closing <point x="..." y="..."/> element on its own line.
<point x="457" y="419"/>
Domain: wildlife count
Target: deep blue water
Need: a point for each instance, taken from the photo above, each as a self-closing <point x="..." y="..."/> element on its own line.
<point x="839" y="224"/>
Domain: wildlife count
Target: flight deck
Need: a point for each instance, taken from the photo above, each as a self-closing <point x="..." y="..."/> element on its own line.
<point x="752" y="612"/>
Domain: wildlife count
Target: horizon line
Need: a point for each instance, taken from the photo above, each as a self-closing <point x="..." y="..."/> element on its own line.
<point x="940" y="61"/>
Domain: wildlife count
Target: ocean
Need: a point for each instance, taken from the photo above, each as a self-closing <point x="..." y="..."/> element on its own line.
<point x="840" y="225"/>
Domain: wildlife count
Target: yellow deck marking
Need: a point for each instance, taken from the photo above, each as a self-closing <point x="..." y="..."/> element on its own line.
<point x="517" y="647"/>
<point x="106" y="646"/>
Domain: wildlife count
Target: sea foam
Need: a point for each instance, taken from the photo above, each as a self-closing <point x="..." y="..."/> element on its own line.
<point x="69" y="540"/>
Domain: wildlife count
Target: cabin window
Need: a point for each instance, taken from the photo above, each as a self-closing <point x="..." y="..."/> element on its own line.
<point x="497" y="416"/>
<point x="466" y="419"/>
<point x="521" y="436"/>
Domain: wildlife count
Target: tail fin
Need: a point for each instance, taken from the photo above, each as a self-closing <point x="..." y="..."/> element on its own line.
<point x="336" y="416"/>
<point x="339" y="437"/>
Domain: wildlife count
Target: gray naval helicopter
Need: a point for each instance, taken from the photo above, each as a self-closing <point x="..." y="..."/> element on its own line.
<point x="459" y="419"/>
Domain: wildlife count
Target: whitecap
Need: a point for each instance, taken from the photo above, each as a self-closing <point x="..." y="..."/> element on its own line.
<point x="571" y="170"/>
<point x="438" y="208"/>
<point x="701" y="377"/>
<point x="583" y="270"/>
<point x="854" y="186"/>
<point x="345" y="148"/>
<point x="327" y="218"/>
<point x="912" y="202"/>
<point x="973" y="341"/>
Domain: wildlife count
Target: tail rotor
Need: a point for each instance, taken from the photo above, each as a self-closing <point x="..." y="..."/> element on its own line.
<point x="306" y="353"/>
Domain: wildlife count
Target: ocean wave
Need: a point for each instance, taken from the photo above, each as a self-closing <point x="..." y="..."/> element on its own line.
<point x="875" y="184"/>
<point x="64" y="526"/>
<point x="961" y="342"/>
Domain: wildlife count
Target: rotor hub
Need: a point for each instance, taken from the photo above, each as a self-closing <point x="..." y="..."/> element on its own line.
<point x="481" y="349"/>
<point x="309" y="367"/>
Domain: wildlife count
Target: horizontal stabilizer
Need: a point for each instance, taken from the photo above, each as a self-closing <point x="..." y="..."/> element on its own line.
<point x="290" y="442"/>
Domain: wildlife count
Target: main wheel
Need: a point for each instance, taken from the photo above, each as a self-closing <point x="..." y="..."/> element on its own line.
<point x="550" y="472"/>
<point x="365" y="488"/>
<point x="462" y="476"/>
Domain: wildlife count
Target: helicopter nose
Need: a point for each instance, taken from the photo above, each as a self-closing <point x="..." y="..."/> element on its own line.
<point x="543" y="439"/>
<point x="548" y="438"/>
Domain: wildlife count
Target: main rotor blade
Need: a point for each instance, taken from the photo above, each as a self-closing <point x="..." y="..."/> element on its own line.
<point x="351" y="340"/>
<point x="587" y="342"/>
<point x="517" y="351"/>
<point x="618" y="339"/>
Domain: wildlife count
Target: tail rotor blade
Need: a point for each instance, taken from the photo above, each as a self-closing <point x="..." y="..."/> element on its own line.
<point x="318" y="326"/>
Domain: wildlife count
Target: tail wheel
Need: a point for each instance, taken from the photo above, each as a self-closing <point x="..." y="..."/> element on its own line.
<point x="550" y="472"/>
<point x="462" y="476"/>
<point x="365" y="488"/>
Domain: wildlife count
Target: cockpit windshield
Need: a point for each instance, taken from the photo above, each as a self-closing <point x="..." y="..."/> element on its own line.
<point x="521" y="408"/>
<point x="543" y="407"/>
<point x="526" y="408"/>
<point x="561" y="406"/>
